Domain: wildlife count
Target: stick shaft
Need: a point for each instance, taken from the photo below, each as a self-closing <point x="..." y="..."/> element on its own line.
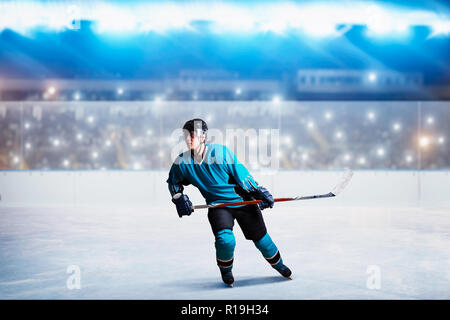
<point x="205" y="206"/>
<point x="337" y="189"/>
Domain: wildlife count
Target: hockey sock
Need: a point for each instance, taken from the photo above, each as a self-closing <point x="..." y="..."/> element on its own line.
<point x="225" y="244"/>
<point x="269" y="251"/>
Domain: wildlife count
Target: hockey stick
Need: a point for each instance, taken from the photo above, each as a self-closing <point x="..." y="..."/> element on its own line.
<point x="345" y="179"/>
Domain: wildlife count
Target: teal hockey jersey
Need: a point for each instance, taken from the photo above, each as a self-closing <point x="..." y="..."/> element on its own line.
<point x="220" y="177"/>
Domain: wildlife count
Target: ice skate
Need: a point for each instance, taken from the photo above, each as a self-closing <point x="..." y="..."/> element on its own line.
<point x="227" y="277"/>
<point x="285" y="271"/>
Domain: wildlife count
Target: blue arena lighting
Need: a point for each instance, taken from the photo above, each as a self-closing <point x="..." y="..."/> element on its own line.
<point x="316" y="19"/>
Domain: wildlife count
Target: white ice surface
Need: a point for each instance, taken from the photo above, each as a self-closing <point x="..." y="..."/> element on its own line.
<point x="152" y="254"/>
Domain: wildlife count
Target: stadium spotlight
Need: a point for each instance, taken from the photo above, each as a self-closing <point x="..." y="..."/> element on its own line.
<point x="440" y="27"/>
<point x="441" y="140"/>
<point x="134" y="143"/>
<point x="108" y="143"/>
<point x="276" y="99"/>
<point x="339" y="134"/>
<point x="28" y="146"/>
<point x="66" y="163"/>
<point x="328" y="115"/>
<point x="362" y="160"/>
<point x="372" y="77"/>
<point x="91" y="119"/>
<point x="409" y="158"/>
<point x="56" y="142"/>
<point x="371" y="115"/>
<point x="149" y="132"/>
<point x="95" y="154"/>
<point x="27" y="125"/>
<point x="16" y="159"/>
<point x="287" y="140"/>
<point x="424" y="142"/>
<point x="396" y="126"/>
<point x="51" y="90"/>
<point x="79" y="137"/>
<point x="76" y="96"/>
<point x="238" y="91"/>
<point x="137" y="166"/>
<point x="305" y="156"/>
<point x="310" y="124"/>
<point x="380" y="152"/>
<point x="430" y="120"/>
<point x="119" y="91"/>
<point x="347" y="157"/>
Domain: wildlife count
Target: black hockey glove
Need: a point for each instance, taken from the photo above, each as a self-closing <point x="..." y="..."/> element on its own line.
<point x="266" y="198"/>
<point x="183" y="204"/>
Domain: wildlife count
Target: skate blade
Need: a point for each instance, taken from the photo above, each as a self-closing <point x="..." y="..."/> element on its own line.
<point x="231" y="285"/>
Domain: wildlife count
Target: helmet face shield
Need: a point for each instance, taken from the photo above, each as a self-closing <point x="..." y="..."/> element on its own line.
<point x="195" y="132"/>
<point x="194" y="139"/>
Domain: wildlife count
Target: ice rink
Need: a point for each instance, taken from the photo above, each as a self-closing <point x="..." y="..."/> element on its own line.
<point x="334" y="253"/>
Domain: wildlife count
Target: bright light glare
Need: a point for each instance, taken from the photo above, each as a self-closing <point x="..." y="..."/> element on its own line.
<point x="276" y="99"/>
<point x="440" y="27"/>
<point x="424" y="141"/>
<point x="317" y="19"/>
<point x="328" y="115"/>
<point x="287" y="140"/>
<point x="372" y="77"/>
<point x="51" y="90"/>
<point x="137" y="166"/>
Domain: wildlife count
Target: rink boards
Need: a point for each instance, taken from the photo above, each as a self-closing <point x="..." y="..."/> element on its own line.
<point x="149" y="189"/>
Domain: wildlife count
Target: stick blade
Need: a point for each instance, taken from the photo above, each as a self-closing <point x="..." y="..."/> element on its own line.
<point x="346" y="177"/>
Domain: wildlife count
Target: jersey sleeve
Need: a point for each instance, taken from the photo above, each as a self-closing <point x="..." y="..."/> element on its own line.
<point x="176" y="180"/>
<point x="239" y="172"/>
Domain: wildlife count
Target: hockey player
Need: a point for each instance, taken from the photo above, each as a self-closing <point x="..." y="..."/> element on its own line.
<point x="221" y="178"/>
